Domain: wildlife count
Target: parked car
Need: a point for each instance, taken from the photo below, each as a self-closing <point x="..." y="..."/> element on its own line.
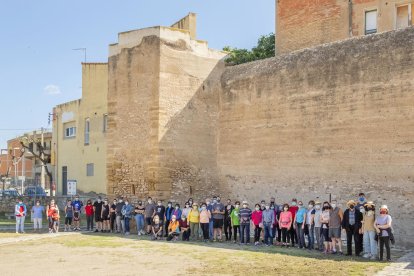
<point x="34" y="191"/>
<point x="10" y="192"/>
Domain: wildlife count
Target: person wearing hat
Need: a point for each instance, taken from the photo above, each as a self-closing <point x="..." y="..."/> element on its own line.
<point x="194" y="220"/>
<point x="383" y="224"/>
<point x="369" y="232"/>
<point x="352" y="222"/>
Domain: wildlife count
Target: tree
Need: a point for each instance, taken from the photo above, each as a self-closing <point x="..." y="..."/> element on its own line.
<point x="39" y="152"/>
<point x="265" y="49"/>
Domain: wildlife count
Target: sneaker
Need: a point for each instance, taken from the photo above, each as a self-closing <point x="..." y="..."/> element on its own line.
<point x="96" y="231"/>
<point x="139" y="233"/>
<point x="373" y="257"/>
<point x="366" y="256"/>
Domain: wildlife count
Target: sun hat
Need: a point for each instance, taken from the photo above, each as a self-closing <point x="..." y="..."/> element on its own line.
<point x="351" y="202"/>
<point x="369" y="203"/>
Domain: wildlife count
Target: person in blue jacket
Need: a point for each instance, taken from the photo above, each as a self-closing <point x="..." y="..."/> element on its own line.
<point x="168" y="216"/>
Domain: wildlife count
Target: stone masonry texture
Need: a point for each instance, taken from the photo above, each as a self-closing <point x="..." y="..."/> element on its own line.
<point x="336" y="119"/>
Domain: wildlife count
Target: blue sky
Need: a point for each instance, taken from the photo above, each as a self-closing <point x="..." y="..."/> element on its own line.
<point x="40" y="70"/>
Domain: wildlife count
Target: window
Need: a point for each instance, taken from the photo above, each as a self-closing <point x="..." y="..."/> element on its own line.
<point x="371" y="22"/>
<point x="89" y="169"/>
<point x="87" y="128"/>
<point x="70" y="132"/>
<point x="105" y="122"/>
<point x="404" y="16"/>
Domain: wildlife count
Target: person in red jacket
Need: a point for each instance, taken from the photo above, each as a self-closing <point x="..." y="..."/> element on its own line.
<point x="257" y="218"/>
<point x="89" y="215"/>
<point x="292" y="233"/>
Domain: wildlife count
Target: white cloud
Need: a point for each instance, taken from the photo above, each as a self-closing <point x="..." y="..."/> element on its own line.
<point x="52" y="89"/>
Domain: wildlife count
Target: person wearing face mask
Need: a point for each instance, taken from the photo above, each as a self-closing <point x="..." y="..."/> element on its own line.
<point x="50" y="209"/>
<point x="299" y="224"/>
<point x="293" y="208"/>
<point x="186" y="209"/>
<point x="285" y="223"/>
<point x="276" y="232"/>
<point x="190" y="201"/>
<point x="245" y="216"/>
<point x="383" y="226"/>
<point x="112" y="214"/>
<point x="369" y="232"/>
<point x="218" y="220"/>
<point x="177" y="212"/>
<point x="335" y="221"/>
<point x="205" y="216"/>
<point x="185" y="228"/>
<point x="211" y="225"/>
<point x="235" y="221"/>
<point x="318" y="225"/>
<point x="324" y="219"/>
<point x="68" y="215"/>
<point x="89" y="215"/>
<point x="139" y="212"/>
<point x="127" y="214"/>
<point x="37" y="215"/>
<point x="227" y="220"/>
<point x="352" y="224"/>
<point x="310" y="225"/>
<point x="173" y="229"/>
<point x="168" y="215"/>
<point x="77" y="204"/>
<point x="257" y="218"/>
<point x="361" y="204"/>
<point x="268" y="220"/>
<point x="97" y="209"/>
<point x="149" y="214"/>
<point x="105" y="216"/>
<point x="156" y="228"/>
<point x="160" y="212"/>
<point x="120" y="223"/>
<point x="20" y="212"/>
<point x="194" y="221"/>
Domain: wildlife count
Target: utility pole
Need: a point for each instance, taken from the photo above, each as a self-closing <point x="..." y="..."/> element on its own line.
<point x="81" y="49"/>
<point x="42" y="172"/>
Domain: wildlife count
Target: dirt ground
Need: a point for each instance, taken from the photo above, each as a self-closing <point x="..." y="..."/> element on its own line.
<point x="104" y="254"/>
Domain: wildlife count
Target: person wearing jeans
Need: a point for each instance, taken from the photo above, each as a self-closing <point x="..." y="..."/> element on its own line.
<point x="318" y="226"/>
<point x="299" y="224"/>
<point x="139" y="217"/>
<point x="245" y="215"/>
<point x="268" y="219"/>
<point x="383" y="224"/>
<point x="126" y="213"/>
<point x="368" y="229"/>
<point x="310" y="224"/>
<point x="20" y="211"/>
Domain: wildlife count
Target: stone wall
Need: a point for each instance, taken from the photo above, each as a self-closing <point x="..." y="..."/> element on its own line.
<point x="336" y="119"/>
<point x="161" y="139"/>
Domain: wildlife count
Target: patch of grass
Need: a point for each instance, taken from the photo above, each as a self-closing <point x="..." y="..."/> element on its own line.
<point x="89" y="241"/>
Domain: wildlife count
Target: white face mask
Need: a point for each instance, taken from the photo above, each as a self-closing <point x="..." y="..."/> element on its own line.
<point x="38" y="204"/>
<point x="169" y="205"/>
<point x="267" y="207"/>
<point x="286" y="208"/>
<point x="99" y="201"/>
<point x="318" y="207"/>
<point x="310" y="206"/>
<point x="237" y="206"/>
<point x="20" y="202"/>
<point x="333" y="205"/>
<point x="257" y="208"/>
<point x="244" y="206"/>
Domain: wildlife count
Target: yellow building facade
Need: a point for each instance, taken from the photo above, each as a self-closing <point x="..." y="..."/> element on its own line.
<point x="79" y="134"/>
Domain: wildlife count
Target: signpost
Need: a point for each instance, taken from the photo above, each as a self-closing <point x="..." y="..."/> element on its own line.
<point x="72" y="187"/>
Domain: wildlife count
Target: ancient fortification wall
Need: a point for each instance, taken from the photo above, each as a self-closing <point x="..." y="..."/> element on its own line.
<point x="336" y="119"/>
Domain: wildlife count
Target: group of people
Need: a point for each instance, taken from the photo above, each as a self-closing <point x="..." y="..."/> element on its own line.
<point x="315" y="226"/>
